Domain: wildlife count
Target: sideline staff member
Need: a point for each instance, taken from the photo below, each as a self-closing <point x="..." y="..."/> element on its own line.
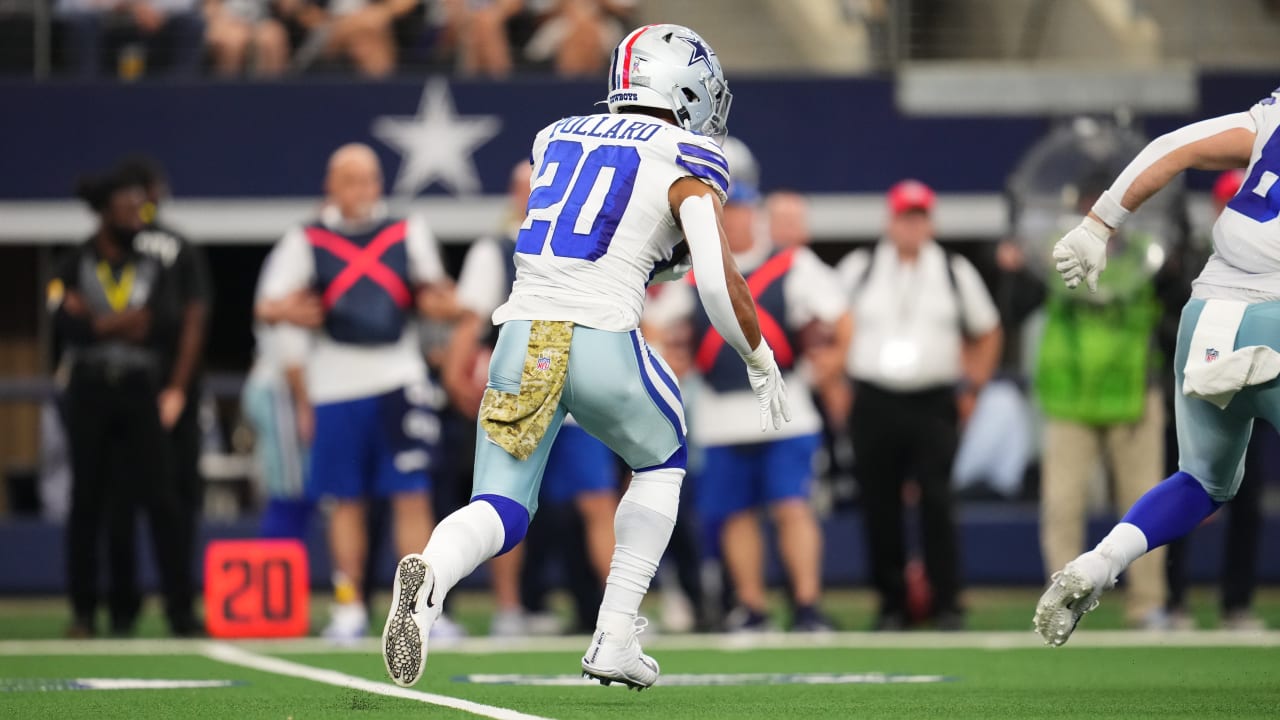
<point x="180" y="399"/>
<point x="924" y="328"/>
<point x="117" y="312"/>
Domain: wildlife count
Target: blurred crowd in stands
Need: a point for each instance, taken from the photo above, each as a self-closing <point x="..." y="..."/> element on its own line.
<point x="130" y="39"/>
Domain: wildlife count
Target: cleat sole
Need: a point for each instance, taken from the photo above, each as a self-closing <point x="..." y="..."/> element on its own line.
<point x="403" y="650"/>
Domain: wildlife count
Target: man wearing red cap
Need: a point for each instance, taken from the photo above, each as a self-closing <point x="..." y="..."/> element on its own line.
<point x="926" y="339"/>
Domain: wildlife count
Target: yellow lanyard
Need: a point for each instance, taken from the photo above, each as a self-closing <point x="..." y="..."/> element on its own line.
<point x="117" y="292"/>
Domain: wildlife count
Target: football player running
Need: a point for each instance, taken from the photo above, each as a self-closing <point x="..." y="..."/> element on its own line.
<point x="1226" y="362"/>
<point x="613" y="195"/>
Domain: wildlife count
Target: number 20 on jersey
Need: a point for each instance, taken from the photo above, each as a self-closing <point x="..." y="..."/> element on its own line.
<point x="589" y="210"/>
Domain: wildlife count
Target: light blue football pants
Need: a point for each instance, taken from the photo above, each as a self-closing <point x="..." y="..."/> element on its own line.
<point x="1212" y="442"/>
<point x="617" y="388"/>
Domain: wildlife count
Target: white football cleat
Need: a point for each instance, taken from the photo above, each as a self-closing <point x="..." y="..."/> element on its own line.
<point x="1073" y="592"/>
<point x="610" y="659"/>
<point x="414" y="609"/>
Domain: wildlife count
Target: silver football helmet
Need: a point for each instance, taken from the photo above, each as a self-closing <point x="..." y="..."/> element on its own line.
<point x="671" y="67"/>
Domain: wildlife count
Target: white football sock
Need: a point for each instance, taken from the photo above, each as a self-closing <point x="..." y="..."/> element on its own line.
<point x="1124" y="544"/>
<point x="462" y="541"/>
<point x="642" y="526"/>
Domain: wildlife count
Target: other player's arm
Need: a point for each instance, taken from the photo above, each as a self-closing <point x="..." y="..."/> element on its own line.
<point x="459" y="359"/>
<point x="725" y="295"/>
<point x="1215" y="144"/>
<point x="434" y="294"/>
<point x="479" y="291"/>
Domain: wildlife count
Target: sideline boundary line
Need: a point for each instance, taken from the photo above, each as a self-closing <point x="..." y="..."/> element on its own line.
<point x="731" y="643"/>
<point x="238" y="656"/>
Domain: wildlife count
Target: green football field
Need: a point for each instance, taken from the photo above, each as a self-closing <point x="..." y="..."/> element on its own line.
<point x="998" y="672"/>
<point x="977" y="675"/>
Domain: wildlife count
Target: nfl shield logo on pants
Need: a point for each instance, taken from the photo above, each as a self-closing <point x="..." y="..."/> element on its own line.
<point x="544" y="363"/>
<point x="1210" y="355"/>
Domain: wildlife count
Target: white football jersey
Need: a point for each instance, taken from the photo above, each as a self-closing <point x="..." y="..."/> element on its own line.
<point x="599" y="222"/>
<point x="1246" y="236"/>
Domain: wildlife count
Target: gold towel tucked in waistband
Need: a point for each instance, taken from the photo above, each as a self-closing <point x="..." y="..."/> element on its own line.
<point x="516" y="422"/>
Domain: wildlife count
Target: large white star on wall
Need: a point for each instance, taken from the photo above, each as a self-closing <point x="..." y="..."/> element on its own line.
<point x="436" y="144"/>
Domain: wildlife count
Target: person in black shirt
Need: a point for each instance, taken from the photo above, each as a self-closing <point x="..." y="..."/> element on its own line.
<point x="180" y="399"/>
<point x="117" y="312"/>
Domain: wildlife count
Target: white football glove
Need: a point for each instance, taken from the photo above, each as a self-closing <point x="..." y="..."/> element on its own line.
<point x="767" y="384"/>
<point x="1082" y="254"/>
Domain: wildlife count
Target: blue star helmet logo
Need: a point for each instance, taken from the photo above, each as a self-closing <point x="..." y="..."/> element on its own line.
<point x="701" y="54"/>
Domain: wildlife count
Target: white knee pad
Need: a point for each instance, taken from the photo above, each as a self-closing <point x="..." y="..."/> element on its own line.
<point x="657" y="490"/>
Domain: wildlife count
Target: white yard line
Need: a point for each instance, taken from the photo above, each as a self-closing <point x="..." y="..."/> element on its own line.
<point x="276" y="666"/>
<point x="738" y="643"/>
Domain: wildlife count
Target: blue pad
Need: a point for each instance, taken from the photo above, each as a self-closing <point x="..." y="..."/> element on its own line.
<point x="1171" y="509"/>
<point x="515" y="519"/>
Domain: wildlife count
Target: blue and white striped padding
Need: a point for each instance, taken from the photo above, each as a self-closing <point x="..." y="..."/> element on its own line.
<point x="704" y="163"/>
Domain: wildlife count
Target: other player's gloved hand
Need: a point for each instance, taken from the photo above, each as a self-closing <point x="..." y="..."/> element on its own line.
<point x="677" y="267"/>
<point x="1082" y="254"/>
<point x="767" y="384"/>
<point x="673" y="272"/>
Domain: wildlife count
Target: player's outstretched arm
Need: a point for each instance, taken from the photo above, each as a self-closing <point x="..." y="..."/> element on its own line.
<point x="1215" y="144"/>
<point x="725" y="295"/>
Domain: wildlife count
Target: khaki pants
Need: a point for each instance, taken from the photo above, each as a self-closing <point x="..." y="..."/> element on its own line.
<point x="1134" y="457"/>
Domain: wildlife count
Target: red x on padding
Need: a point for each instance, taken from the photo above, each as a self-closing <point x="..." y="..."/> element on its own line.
<point x="764" y="276"/>
<point x="363" y="262"/>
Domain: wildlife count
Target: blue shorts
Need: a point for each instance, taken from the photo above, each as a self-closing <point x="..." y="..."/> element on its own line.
<point x="578" y="463"/>
<point x="740" y="477"/>
<point x="375" y="446"/>
<point x="617" y="388"/>
<point x="1212" y="442"/>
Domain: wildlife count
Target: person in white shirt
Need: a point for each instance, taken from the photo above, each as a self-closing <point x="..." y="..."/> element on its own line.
<point x="926" y="339"/>
<point x="741" y="474"/>
<point x="373" y="428"/>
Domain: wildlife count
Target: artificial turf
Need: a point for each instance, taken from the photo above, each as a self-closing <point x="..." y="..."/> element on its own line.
<point x="1146" y="681"/>
<point x="1137" y="682"/>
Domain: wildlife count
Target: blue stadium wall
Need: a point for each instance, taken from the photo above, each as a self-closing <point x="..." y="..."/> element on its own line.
<point x="271" y="140"/>
<point x="999" y="546"/>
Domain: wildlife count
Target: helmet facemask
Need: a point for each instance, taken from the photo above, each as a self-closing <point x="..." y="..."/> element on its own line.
<point x="714" y="123"/>
<point x="717" y="123"/>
